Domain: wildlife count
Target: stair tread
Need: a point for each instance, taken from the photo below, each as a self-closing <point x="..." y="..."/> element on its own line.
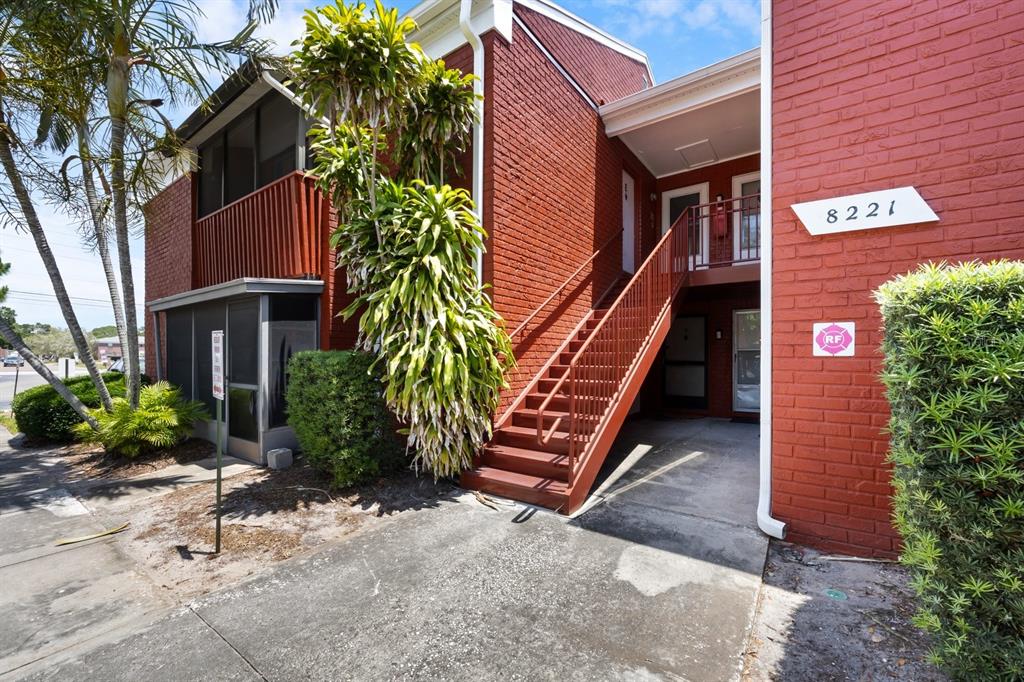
<point x="531" y="431"/>
<point x="547" y="485"/>
<point x="525" y="453"/>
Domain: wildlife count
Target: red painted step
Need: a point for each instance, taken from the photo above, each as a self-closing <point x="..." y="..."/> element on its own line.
<point x="530" y="462"/>
<point x="545" y="492"/>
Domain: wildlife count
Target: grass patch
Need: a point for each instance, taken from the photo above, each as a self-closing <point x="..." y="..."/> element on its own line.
<point x="7" y="421"/>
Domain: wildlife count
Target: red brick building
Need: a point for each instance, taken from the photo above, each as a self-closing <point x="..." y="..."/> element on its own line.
<point x="632" y="252"/>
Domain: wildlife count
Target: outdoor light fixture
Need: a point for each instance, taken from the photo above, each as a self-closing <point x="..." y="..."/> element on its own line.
<point x="718" y="334"/>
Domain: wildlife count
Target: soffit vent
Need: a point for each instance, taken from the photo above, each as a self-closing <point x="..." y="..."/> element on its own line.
<point x="699" y="153"/>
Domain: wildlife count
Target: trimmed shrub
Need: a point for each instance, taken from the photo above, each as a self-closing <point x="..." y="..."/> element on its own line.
<point x="163" y="419"/>
<point x="336" y="406"/>
<point x="954" y="373"/>
<point x="41" y="413"/>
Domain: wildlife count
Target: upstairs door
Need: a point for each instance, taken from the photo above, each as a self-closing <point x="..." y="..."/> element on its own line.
<point x="673" y="203"/>
<point x="628" y="223"/>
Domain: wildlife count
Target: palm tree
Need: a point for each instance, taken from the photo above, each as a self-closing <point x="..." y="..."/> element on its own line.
<point x="97" y="70"/>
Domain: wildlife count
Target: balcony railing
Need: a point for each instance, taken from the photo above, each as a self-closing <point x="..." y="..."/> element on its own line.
<point x="724" y="233"/>
<point x="280" y="231"/>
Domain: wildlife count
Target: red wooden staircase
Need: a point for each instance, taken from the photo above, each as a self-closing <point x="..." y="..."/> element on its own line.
<point x="549" y="446"/>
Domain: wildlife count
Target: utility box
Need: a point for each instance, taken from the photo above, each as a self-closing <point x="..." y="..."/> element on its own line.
<point x="279" y="458"/>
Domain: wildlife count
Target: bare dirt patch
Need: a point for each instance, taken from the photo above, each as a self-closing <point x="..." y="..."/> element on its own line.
<point x="824" y="619"/>
<point x="268" y="516"/>
<point x="93" y="463"/>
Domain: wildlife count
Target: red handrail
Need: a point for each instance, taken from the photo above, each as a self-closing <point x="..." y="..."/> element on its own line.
<point x="598" y="370"/>
<point x="726" y="232"/>
<point x="568" y="280"/>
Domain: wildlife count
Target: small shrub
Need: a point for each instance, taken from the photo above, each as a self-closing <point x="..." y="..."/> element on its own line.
<point x="163" y="419"/>
<point x="336" y="407"/>
<point x="42" y="414"/>
<point x="954" y="373"/>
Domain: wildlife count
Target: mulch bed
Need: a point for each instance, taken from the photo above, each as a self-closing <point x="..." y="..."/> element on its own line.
<point x="92" y="462"/>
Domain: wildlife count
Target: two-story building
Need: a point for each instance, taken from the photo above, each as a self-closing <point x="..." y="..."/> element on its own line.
<point x="643" y="247"/>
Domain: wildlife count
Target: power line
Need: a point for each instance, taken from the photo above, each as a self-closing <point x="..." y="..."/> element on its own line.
<point x="83" y="299"/>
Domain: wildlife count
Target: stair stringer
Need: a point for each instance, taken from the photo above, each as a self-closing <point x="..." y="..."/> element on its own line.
<point x="608" y="431"/>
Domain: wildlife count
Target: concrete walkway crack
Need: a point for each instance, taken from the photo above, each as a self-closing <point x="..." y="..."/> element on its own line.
<point x="230" y="645"/>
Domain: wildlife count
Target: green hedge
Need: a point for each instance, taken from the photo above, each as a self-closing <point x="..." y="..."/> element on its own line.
<point x="336" y="407"/>
<point x="954" y="372"/>
<point x="42" y="414"/>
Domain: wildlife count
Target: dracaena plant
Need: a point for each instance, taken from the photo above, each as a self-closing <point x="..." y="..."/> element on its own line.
<point x="407" y="247"/>
<point x="954" y="375"/>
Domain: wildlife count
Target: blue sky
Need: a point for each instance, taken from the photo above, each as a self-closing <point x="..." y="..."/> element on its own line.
<point x="677" y="35"/>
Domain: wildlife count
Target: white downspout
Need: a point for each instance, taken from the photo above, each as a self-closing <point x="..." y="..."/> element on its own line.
<point x="765" y="521"/>
<point x="465" y="22"/>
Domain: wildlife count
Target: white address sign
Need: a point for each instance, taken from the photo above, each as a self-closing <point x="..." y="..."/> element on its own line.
<point x="867" y="211"/>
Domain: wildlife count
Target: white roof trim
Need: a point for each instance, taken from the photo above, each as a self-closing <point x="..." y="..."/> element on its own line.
<point x="439" y="32"/>
<point x="725" y="79"/>
<point x="580" y="25"/>
<point x="237" y="287"/>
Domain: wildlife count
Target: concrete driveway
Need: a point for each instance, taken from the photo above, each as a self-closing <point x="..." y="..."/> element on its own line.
<point x="56" y="600"/>
<point x="658" y="580"/>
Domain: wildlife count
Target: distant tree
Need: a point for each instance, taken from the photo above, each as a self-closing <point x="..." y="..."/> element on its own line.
<point x="105" y="331"/>
<point x="53" y="344"/>
<point x="9" y="316"/>
<point x="34" y="361"/>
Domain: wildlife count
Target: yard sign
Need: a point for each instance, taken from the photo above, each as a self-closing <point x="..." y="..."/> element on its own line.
<point x="218" y="364"/>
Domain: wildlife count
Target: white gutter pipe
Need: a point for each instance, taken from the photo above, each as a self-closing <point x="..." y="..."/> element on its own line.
<point x="765" y="521"/>
<point x="465" y="23"/>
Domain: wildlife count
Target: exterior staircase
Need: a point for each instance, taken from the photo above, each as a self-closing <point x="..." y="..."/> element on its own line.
<point x="549" y="445"/>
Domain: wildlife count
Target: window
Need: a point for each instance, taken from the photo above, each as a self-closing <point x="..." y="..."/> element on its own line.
<point x="179" y="349"/>
<point x="747" y="217"/>
<point x="253" y="150"/>
<point x="240" y="159"/>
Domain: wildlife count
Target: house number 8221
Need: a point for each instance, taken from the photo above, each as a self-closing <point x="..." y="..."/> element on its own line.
<point x="851" y="212"/>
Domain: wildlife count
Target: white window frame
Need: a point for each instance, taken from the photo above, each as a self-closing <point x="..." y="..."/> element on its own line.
<point x="735" y="357"/>
<point x="737" y="188"/>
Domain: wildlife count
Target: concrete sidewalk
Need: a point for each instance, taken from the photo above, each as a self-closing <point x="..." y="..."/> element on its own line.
<point x="641" y="586"/>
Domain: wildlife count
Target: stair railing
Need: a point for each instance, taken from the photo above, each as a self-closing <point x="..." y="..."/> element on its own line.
<point x="517" y="373"/>
<point x="609" y="355"/>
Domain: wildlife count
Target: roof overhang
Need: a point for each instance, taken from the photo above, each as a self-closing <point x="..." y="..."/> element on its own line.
<point x="712" y="114"/>
<point x="244" y="286"/>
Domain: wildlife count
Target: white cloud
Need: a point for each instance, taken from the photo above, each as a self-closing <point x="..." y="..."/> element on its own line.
<point x="636" y="20"/>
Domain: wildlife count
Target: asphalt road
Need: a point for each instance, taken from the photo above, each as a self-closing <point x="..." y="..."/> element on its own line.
<point x="27" y="378"/>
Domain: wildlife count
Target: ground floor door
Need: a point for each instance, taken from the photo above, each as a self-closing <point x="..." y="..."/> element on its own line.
<point x="746" y="373"/>
<point x="243" y="379"/>
<point x="686" y="364"/>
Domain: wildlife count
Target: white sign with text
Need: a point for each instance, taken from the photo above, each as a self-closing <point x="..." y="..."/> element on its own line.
<point x="867" y="211"/>
<point x="217" y="344"/>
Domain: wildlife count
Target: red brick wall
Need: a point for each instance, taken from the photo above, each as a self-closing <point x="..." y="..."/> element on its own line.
<point x="868" y="97"/>
<point x="168" y="249"/>
<point x="553" y="194"/>
<point x="603" y="73"/>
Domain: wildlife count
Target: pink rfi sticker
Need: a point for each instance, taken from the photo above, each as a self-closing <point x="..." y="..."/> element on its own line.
<point x="834" y="339"/>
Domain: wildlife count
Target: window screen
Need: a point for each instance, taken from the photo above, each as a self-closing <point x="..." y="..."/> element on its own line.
<point x="208" y="317"/>
<point x="240" y="169"/>
<point x="179" y="349"/>
<point x="292" y="329"/>
<point x="278" y="130"/>
<point x="243" y="342"/>
<point x="211" y="173"/>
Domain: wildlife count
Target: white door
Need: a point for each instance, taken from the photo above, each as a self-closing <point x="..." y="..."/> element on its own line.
<point x="628" y="223"/>
<point x="746" y="364"/>
<point x="673" y="203"/>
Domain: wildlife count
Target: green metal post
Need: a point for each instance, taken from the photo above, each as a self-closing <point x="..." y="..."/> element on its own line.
<point x="220" y="410"/>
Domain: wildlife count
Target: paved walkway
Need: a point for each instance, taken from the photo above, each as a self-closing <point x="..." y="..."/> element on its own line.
<point x="659" y="580"/>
